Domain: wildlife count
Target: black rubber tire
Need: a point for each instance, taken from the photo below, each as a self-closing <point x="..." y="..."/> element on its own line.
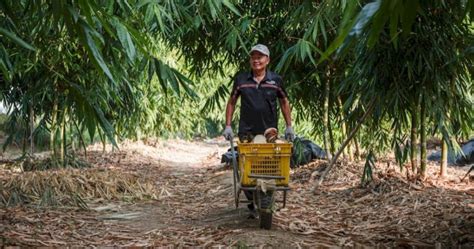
<point x="266" y="220"/>
<point x="265" y="212"/>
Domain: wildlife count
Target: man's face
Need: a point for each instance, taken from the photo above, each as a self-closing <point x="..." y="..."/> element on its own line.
<point x="258" y="61"/>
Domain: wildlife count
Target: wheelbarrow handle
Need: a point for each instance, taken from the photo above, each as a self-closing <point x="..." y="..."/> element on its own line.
<point x="236" y="173"/>
<point x="234" y="160"/>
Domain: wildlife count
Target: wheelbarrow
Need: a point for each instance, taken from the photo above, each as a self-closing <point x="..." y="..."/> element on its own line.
<point x="263" y="169"/>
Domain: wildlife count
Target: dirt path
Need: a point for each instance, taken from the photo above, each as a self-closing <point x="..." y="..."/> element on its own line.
<point x="194" y="207"/>
<point x="196" y="203"/>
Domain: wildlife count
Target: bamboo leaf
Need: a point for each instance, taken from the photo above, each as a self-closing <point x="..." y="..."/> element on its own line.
<point x="5" y="71"/>
<point x="125" y="40"/>
<point x="378" y="23"/>
<point x="16" y="39"/>
<point x="105" y="124"/>
<point x="161" y="75"/>
<point x="94" y="52"/>
<point x="212" y="8"/>
<point x="394" y="20"/>
<point x="409" y="15"/>
<point x="229" y="5"/>
<point x="185" y="83"/>
<point x="470" y="9"/>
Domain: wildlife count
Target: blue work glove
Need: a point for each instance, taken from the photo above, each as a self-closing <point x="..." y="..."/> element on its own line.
<point x="289" y="133"/>
<point x="228" y="134"/>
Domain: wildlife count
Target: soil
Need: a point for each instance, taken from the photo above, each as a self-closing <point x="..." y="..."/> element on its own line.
<point x="195" y="206"/>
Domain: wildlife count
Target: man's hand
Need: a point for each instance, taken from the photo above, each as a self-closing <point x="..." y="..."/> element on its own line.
<point x="289" y="134"/>
<point x="228" y="134"/>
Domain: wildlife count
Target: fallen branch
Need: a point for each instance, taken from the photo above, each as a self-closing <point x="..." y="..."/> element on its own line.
<point x="472" y="168"/>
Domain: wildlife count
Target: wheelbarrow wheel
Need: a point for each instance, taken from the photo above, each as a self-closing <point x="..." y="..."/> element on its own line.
<point x="265" y="212"/>
<point x="266" y="218"/>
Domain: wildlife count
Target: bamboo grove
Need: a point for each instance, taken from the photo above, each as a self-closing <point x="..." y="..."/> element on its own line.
<point x="364" y="77"/>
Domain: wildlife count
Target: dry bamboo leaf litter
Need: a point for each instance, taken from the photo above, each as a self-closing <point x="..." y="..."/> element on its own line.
<point x="391" y="204"/>
<point x="195" y="208"/>
<point x="73" y="187"/>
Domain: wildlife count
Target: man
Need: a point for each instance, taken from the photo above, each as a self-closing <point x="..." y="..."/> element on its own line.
<point x="259" y="91"/>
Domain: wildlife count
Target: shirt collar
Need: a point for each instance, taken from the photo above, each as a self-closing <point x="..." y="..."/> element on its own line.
<point x="265" y="79"/>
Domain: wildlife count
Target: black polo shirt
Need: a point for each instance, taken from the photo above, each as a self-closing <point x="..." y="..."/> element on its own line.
<point x="259" y="107"/>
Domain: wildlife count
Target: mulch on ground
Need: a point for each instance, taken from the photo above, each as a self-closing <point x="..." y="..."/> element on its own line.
<point x="193" y="206"/>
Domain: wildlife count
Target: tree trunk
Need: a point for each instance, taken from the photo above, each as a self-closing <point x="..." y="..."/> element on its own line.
<point x="65" y="139"/>
<point x="62" y="138"/>
<point x="102" y="140"/>
<point x="81" y="142"/>
<point x="52" y="132"/>
<point x="357" y="150"/>
<point x="344" y="134"/>
<point x="444" y="159"/>
<point x="73" y="146"/>
<point x="423" y="139"/>
<point x="344" y="131"/>
<point x="343" y="145"/>
<point x="413" y="141"/>
<point x="331" y="138"/>
<point x="32" y="129"/>
<point x="331" y="135"/>
<point x="116" y="141"/>
<point x="326" y="120"/>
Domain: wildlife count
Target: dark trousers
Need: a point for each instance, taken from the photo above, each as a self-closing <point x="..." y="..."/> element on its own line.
<point x="249" y="195"/>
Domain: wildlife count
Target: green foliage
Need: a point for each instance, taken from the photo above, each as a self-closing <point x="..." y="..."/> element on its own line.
<point x="390" y="52"/>
<point x="79" y="65"/>
<point x="140" y="68"/>
<point x="428" y="62"/>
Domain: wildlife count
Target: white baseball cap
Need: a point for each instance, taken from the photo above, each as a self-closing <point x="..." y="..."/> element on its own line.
<point x="261" y="48"/>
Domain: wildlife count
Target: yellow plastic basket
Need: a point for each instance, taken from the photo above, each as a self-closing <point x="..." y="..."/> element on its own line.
<point x="271" y="159"/>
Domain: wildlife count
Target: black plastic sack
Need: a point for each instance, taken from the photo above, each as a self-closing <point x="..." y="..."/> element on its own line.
<point x="468" y="153"/>
<point x="227" y="157"/>
<point x="464" y="158"/>
<point x="305" y="151"/>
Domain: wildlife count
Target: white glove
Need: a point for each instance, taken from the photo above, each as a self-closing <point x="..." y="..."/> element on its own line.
<point x="228" y="134"/>
<point x="289" y="133"/>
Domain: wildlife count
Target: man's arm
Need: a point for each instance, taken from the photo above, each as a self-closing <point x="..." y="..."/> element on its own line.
<point x="285" y="109"/>
<point x="229" y="110"/>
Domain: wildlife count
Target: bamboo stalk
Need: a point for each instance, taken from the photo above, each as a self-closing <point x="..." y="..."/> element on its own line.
<point x="65" y="135"/>
<point x="331" y="137"/>
<point x="116" y="140"/>
<point x="61" y="135"/>
<point x="344" y="131"/>
<point x="53" y="126"/>
<point x="444" y="159"/>
<point x="32" y="129"/>
<point x="81" y="138"/>
<point x="341" y="148"/>
<point x="102" y="140"/>
<point x="357" y="150"/>
<point x="73" y="146"/>
<point x="344" y="134"/>
<point x="330" y="132"/>
<point x="326" y="120"/>
<point x="413" y="141"/>
<point x="24" y="141"/>
<point x="423" y="139"/>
